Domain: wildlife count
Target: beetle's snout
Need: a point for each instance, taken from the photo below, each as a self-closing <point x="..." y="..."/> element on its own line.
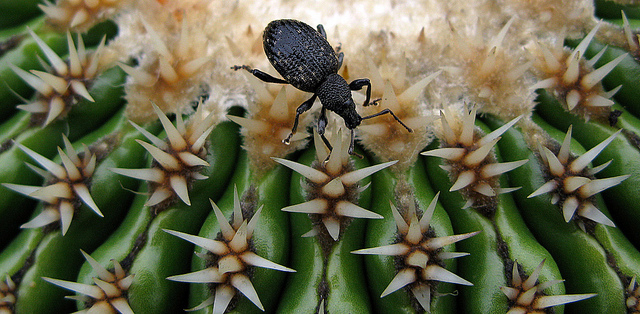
<point x="351" y="117"/>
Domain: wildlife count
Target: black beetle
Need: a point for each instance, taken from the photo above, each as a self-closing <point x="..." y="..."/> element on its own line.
<point x="306" y="60"/>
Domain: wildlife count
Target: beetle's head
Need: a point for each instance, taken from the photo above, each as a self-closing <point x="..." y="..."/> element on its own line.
<point x="351" y="117"/>
<point x="335" y="95"/>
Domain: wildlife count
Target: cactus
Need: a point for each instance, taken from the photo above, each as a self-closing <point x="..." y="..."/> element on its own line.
<point x="158" y="95"/>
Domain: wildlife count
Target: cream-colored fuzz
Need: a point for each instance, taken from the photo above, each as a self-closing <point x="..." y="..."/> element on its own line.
<point x="494" y="77"/>
<point x="67" y="186"/>
<point x="178" y="160"/>
<point x="170" y="69"/>
<point x="65" y="81"/>
<point x="571" y="17"/>
<point x="526" y="294"/>
<point x="469" y="158"/>
<point x="571" y="181"/>
<point x="332" y="187"/>
<point x="450" y="36"/>
<point x="270" y="120"/>
<point x="7" y="295"/>
<point x="79" y="15"/>
<point x="107" y="294"/>
<point x="383" y="135"/>
<point x="573" y="80"/>
<point x="228" y="259"/>
<point x="420" y="255"/>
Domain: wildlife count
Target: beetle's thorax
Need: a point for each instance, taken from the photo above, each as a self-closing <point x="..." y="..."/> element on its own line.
<point x="335" y="95"/>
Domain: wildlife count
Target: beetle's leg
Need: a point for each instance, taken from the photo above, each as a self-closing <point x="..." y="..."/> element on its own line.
<point x="352" y="144"/>
<point x="358" y="85"/>
<point x="301" y="109"/>
<point x="322" y="32"/>
<point x="263" y="76"/>
<point x="385" y="111"/>
<point x="322" y="126"/>
<point x="340" y="55"/>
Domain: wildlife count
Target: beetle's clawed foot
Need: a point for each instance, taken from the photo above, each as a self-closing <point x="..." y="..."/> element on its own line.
<point x="287" y="141"/>
<point x="352" y="153"/>
<point x="374" y="102"/>
<point x="238" y="67"/>
<point x="339" y="48"/>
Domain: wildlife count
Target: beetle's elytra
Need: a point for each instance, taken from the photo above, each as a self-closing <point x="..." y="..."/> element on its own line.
<point x="306" y="60"/>
<point x="299" y="53"/>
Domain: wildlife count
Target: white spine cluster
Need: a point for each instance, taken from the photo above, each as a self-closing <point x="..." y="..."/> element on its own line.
<point x="469" y="159"/>
<point x="177" y="160"/>
<point x="335" y="185"/>
<point x="421" y="255"/>
<point x="65" y="81"/>
<point x="232" y="255"/>
<point x="571" y="183"/>
<point x="527" y="296"/>
<point x="573" y="80"/>
<point x="107" y="294"/>
<point x="69" y="185"/>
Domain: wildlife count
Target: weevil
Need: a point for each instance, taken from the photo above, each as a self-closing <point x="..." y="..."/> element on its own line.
<point x="306" y="60"/>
